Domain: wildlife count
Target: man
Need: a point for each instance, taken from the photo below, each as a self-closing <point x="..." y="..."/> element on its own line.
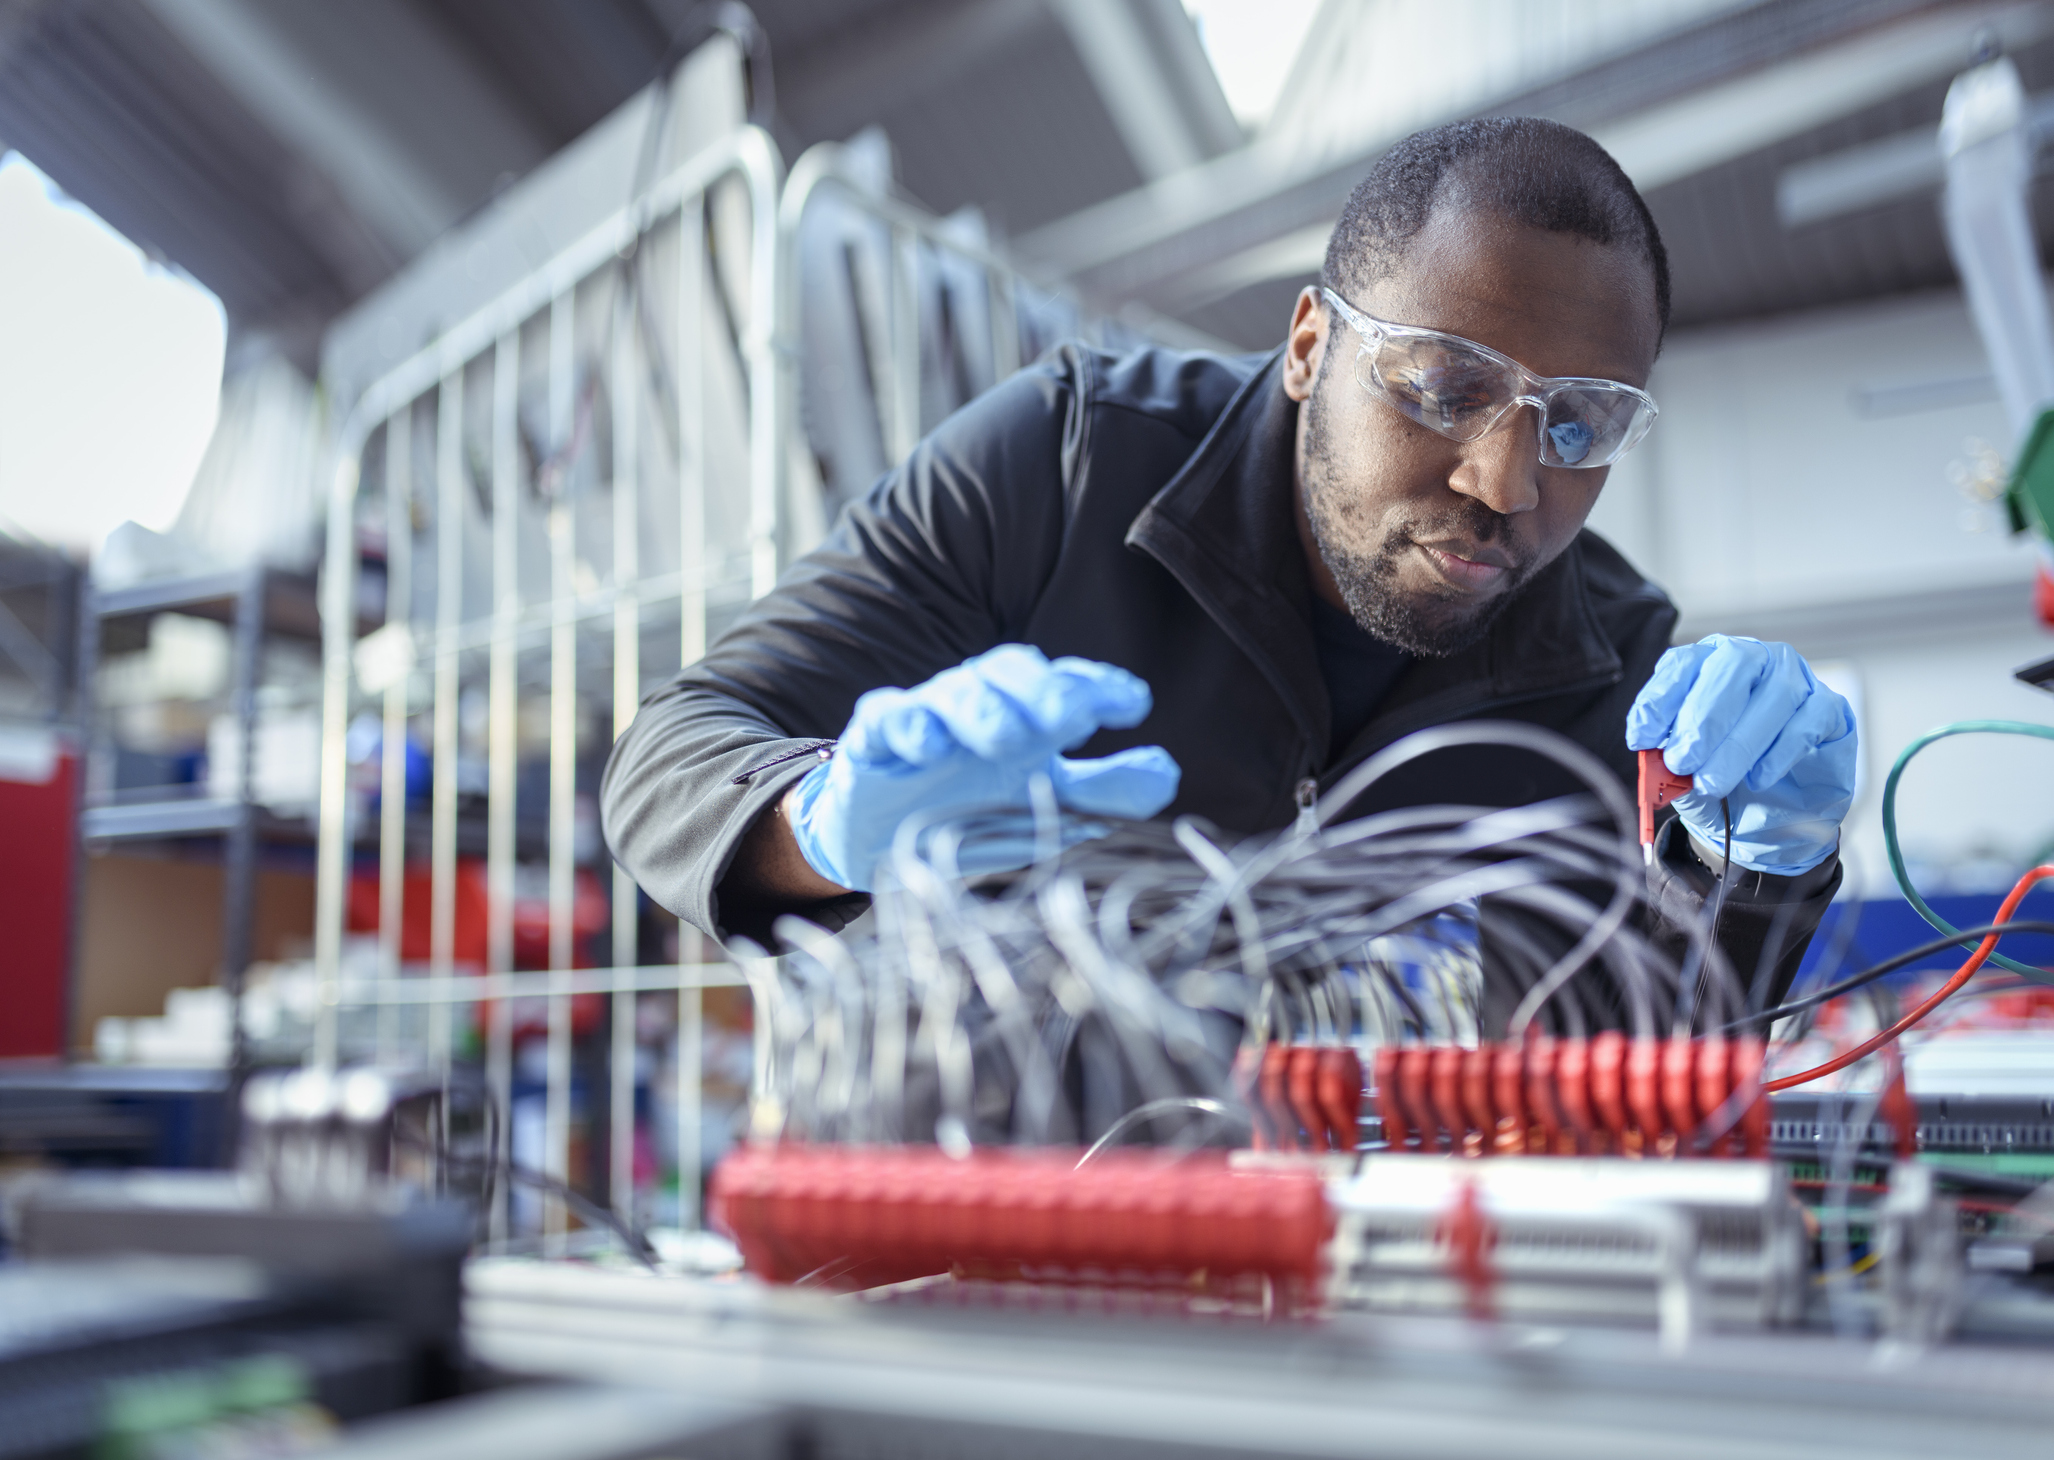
<point x="1252" y="573"/>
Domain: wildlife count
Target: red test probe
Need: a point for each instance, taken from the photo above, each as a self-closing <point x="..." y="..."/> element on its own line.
<point x="1658" y="787"/>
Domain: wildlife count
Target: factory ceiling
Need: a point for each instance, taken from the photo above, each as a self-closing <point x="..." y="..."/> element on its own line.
<point x="1708" y="113"/>
<point x="292" y="156"/>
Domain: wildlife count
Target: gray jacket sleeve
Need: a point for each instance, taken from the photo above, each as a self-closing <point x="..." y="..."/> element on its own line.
<point x="944" y="558"/>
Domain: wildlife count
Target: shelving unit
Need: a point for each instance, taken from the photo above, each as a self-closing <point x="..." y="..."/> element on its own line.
<point x="255" y="603"/>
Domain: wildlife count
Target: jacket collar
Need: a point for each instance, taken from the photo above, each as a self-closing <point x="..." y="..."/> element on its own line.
<point x="1225" y="527"/>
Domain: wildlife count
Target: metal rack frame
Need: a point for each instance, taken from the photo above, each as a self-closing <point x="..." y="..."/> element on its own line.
<point x="495" y="331"/>
<point x="777" y="207"/>
<point x="238" y="819"/>
<point x="824" y="166"/>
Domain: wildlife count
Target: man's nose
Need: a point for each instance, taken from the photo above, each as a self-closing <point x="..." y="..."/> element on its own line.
<point x="1502" y="469"/>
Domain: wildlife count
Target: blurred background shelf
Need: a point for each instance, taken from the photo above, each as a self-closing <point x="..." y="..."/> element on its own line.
<point x="196" y="816"/>
<point x="255" y="604"/>
<point x="288" y="602"/>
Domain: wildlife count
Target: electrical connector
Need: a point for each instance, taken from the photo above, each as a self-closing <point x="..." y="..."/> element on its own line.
<point x="859" y="1216"/>
<point x="1658" y="787"/>
<point x="1606" y="1095"/>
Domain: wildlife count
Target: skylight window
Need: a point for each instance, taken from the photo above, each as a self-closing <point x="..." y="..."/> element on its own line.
<point x="1251" y="44"/>
<point x="110" y="370"/>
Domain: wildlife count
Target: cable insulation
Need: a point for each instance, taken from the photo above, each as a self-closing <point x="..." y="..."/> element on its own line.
<point x="1897" y="869"/>
<point x="1946" y="991"/>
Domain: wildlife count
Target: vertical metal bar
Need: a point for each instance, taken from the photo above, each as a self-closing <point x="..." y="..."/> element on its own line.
<point x="85" y="715"/>
<point x="1005" y="325"/>
<point x="691" y="1078"/>
<point x="627" y="690"/>
<point x="691" y="408"/>
<point x="767" y="443"/>
<point x="502" y="710"/>
<point x="239" y="881"/>
<point x="563" y="763"/>
<point x="773" y="289"/>
<point x="905" y="341"/>
<point x="392" y="772"/>
<point x="875" y="303"/>
<point x="338" y="637"/>
<point x="449" y="609"/>
<point x="691" y="404"/>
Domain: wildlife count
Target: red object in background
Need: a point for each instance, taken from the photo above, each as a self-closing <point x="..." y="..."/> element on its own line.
<point x="2025" y="1008"/>
<point x="38" y="808"/>
<point x="859" y="1216"/>
<point x="416" y="919"/>
<point x="590" y="913"/>
<point x="2043" y="589"/>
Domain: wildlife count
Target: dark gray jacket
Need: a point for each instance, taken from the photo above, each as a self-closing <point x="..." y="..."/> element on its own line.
<point x="1136" y="509"/>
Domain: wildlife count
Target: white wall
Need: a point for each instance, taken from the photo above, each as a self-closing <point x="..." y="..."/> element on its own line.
<point x="1768" y="483"/>
<point x="1971" y="811"/>
<point x="1797" y="487"/>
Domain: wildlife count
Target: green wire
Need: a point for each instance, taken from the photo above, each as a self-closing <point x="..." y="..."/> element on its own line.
<point x="1963" y="727"/>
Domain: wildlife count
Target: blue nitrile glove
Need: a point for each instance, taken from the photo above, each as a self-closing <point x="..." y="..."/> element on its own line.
<point x="971" y="739"/>
<point x="1751" y="722"/>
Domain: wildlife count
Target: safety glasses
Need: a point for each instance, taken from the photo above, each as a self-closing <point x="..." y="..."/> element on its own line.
<point x="1465" y="390"/>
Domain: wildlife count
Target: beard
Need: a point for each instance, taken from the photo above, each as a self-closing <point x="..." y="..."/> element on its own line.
<point x="1431" y="623"/>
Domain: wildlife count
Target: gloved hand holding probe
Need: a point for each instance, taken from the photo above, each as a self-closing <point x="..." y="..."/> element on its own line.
<point x="972" y="739"/>
<point x="1752" y="723"/>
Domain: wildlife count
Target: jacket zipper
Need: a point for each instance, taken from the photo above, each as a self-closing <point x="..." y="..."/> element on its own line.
<point x="1308" y="806"/>
<point x="822" y="748"/>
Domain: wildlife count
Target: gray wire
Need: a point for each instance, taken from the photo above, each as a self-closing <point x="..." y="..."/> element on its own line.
<point x="1119" y="970"/>
<point x="1218" y="1110"/>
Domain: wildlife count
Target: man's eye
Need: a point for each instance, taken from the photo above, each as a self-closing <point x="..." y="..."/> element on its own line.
<point x="1447" y="388"/>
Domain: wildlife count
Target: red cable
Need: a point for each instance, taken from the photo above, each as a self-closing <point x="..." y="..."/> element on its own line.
<point x="1946" y="991"/>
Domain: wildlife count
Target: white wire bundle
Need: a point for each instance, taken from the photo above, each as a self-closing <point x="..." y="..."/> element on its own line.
<point x="1119" y="979"/>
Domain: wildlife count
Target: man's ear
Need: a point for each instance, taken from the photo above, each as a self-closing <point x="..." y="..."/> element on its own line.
<point x="1305" y="345"/>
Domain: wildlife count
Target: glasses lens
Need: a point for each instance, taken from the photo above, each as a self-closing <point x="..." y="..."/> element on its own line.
<point x="1437" y="383"/>
<point x="1592" y="425"/>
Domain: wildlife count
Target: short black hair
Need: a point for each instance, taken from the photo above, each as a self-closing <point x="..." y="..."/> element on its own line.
<point x="1523" y="169"/>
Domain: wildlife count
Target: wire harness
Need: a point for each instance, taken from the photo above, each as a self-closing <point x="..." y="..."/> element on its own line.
<point x="1143" y="976"/>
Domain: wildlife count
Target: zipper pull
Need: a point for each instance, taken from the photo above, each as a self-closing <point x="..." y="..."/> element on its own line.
<point x="1308" y="816"/>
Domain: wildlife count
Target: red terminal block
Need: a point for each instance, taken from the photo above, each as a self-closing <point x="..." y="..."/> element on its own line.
<point x="1550" y="1096"/>
<point x="1301" y="1090"/>
<point x="1546" y="1136"/>
<point x="1608" y="1088"/>
<point x="860" y="1216"/>
<point x="1194" y="1224"/>
<point x="1390" y="1104"/>
<point x="1340" y="1097"/>
<point x="1572" y="1097"/>
<point x="1658" y="787"/>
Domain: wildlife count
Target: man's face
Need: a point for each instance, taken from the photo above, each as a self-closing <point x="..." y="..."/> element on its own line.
<point x="1423" y="539"/>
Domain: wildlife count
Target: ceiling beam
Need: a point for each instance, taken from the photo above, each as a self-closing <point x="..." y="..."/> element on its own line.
<point x="1128" y="74"/>
<point x="1253" y="216"/>
<point x="832" y="87"/>
<point x="370" y="116"/>
<point x="1666" y="144"/>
